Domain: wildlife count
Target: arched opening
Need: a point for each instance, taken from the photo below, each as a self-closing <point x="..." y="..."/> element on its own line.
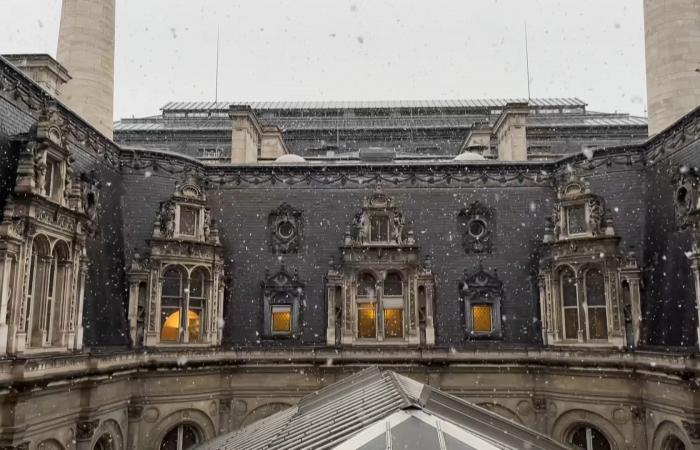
<point x="171" y="301"/>
<point x="569" y="302"/>
<point x="36" y="311"/>
<point x="49" y="445"/>
<point x="393" y="305"/>
<point x="105" y="442"/>
<point x="59" y="289"/>
<point x="197" y="304"/>
<point x="588" y="437"/>
<point x="672" y="443"/>
<point x="366" y="306"/>
<point x="181" y="437"/>
<point x="596" y="305"/>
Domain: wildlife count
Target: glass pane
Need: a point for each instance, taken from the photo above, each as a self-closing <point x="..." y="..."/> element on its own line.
<point x="197" y="284"/>
<point x="576" y="216"/>
<point x="393" y="322"/>
<point x="597" y="323"/>
<point x="281" y="319"/>
<point x="171" y="283"/>
<point x="392" y="284"/>
<point x="366" y="286"/>
<point x="188" y="221"/>
<point x="170" y="328"/>
<point x="169" y="442"/>
<point x="189" y="437"/>
<point x="366" y="327"/>
<point x="571" y="323"/>
<point x="595" y="288"/>
<point x="579" y="439"/>
<point x="379" y="228"/>
<point x="568" y="288"/>
<point x="194" y="325"/>
<point x="482" y="318"/>
<point x="673" y="443"/>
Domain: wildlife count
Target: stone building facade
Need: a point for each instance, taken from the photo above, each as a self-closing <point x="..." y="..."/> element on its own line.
<point x="148" y="298"/>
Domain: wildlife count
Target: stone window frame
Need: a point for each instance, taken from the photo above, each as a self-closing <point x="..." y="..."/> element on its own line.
<point x="283" y="289"/>
<point x="477" y="212"/>
<point x="481" y="288"/>
<point x="289" y="243"/>
<point x="381" y="303"/>
<point x="580" y="272"/>
<point x="185" y="286"/>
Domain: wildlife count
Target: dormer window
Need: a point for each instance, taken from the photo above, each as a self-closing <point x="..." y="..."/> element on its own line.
<point x="53" y="180"/>
<point x="379" y="228"/>
<point x="189" y="221"/>
<point x="576" y="219"/>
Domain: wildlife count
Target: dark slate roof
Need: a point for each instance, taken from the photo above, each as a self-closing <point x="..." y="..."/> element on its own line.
<point x="371" y="398"/>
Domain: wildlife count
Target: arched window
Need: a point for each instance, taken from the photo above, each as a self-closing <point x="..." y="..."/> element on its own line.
<point x="105" y="442"/>
<point x="393" y="285"/>
<point x="59" y="286"/>
<point x="589" y="438"/>
<point x="595" y="301"/>
<point x="197" y="302"/>
<point x="171" y="301"/>
<point x="673" y="443"/>
<point x="393" y="308"/>
<point x="181" y="437"/>
<point x="366" y="306"/>
<point x="569" y="302"/>
<point x="38" y="313"/>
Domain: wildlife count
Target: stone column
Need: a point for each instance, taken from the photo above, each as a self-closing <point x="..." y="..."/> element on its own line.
<point x="86" y="49"/>
<point x="695" y="265"/>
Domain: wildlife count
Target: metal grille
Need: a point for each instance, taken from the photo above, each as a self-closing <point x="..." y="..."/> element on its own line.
<point x="281" y="320"/>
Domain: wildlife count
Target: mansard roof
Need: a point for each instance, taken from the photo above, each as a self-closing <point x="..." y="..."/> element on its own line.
<point x="357" y="412"/>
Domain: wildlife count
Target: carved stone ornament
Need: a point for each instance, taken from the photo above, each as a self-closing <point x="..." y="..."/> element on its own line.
<point x="379" y="222"/>
<point x="686" y="198"/>
<point x="481" y="288"/>
<point x="286" y="229"/>
<point x="477" y="227"/>
<point x="86" y="429"/>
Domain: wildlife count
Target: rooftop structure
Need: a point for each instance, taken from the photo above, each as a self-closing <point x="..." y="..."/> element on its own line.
<point x="378" y="409"/>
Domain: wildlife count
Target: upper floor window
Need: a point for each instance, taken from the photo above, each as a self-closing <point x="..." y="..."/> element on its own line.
<point x="189" y="220"/>
<point x="182" y="305"/>
<point x="53" y="179"/>
<point x="379" y="228"/>
<point x="481" y="295"/>
<point x="584" y="316"/>
<point x="393" y="285"/>
<point x="576" y="219"/>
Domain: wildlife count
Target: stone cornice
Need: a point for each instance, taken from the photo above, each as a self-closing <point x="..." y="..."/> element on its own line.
<point x="29" y="372"/>
<point x="676" y="137"/>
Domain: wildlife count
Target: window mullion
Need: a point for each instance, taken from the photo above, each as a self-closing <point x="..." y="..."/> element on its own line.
<point x="185" y="314"/>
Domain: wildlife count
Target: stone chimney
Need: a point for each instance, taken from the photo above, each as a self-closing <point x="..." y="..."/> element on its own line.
<point x="43" y="69"/>
<point x="672" y="36"/>
<point x="510" y="130"/>
<point x="250" y="140"/>
<point x="86" y="49"/>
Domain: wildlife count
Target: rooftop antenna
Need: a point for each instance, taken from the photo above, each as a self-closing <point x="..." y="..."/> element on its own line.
<point x="216" y="84"/>
<point x="527" y="64"/>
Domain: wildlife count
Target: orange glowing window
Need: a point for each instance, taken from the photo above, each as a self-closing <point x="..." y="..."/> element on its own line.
<point x="482" y="318"/>
<point x="393" y="323"/>
<point x="366" y="325"/>
<point x="281" y="319"/>
<point x="170" y="330"/>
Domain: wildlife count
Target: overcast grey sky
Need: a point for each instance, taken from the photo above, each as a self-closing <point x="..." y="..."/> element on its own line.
<point x="359" y="49"/>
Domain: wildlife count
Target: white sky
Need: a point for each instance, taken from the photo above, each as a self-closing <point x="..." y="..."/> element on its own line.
<point x="359" y="49"/>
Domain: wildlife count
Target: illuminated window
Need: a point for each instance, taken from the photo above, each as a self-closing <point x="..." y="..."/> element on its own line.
<point x="576" y="219"/>
<point x="171" y="301"/>
<point x="189" y="221"/>
<point x="366" y="324"/>
<point x="379" y="228"/>
<point x="393" y="323"/>
<point x="482" y="320"/>
<point x="569" y="303"/>
<point x="595" y="301"/>
<point x="281" y="319"/>
<point x="197" y="300"/>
